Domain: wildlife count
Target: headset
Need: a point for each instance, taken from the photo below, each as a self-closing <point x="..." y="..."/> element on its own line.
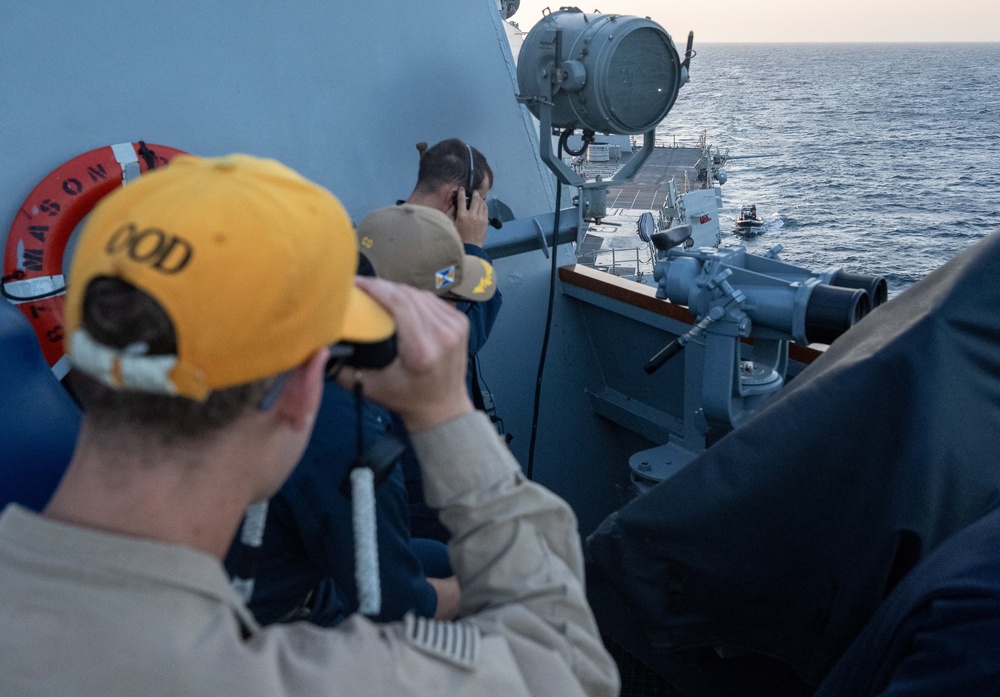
<point x="472" y="177"/>
<point x="472" y="181"/>
<point x="494" y="222"/>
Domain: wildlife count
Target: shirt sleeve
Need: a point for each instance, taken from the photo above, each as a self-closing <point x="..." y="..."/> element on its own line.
<point x="526" y="627"/>
<point x="517" y="553"/>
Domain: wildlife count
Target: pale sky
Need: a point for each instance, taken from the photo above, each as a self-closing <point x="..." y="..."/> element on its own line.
<point x="802" y="20"/>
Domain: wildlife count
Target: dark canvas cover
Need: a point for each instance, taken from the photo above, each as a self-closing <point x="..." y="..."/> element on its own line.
<point x="781" y="540"/>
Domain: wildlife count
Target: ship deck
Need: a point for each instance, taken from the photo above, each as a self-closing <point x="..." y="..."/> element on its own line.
<point x="648" y="189"/>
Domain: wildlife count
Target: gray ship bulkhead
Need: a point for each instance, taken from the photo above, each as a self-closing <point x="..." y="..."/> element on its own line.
<point x="341" y="93"/>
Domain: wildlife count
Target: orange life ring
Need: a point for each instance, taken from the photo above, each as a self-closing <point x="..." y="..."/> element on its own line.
<point x="33" y="261"/>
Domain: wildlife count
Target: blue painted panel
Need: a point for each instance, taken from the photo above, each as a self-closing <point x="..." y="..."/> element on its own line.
<point x="339" y="91"/>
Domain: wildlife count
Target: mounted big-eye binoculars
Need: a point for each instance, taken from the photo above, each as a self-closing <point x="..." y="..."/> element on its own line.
<point x="747" y="309"/>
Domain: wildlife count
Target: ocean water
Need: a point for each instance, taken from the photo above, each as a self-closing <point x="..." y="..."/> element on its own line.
<point x="886" y="157"/>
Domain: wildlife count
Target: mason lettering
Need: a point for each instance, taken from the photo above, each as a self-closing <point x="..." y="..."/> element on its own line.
<point x="158" y="248"/>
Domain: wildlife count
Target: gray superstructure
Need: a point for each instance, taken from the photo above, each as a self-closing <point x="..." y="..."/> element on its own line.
<point x="342" y="93"/>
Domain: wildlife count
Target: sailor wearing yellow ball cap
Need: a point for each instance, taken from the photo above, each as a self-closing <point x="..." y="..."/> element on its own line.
<point x="116" y="588"/>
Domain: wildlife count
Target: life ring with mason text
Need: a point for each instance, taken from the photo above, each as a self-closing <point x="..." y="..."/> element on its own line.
<point x="33" y="260"/>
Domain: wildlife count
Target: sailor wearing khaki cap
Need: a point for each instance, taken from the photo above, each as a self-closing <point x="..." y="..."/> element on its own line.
<point x="420" y="246"/>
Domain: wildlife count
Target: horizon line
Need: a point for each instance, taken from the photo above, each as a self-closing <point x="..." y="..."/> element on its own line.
<point x="859" y="41"/>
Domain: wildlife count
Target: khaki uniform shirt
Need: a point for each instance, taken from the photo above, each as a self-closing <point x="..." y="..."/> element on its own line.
<point x="84" y="612"/>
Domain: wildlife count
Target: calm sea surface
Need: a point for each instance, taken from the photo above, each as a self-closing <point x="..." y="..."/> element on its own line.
<point x="886" y="156"/>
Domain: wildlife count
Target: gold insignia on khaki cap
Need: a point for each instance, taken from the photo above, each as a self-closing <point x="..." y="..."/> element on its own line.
<point x="419" y="246"/>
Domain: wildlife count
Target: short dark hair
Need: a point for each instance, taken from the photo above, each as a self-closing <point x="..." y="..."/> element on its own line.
<point x="448" y="163"/>
<point x="117" y="314"/>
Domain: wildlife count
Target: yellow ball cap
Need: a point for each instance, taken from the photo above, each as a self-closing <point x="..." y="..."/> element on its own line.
<point x="253" y="263"/>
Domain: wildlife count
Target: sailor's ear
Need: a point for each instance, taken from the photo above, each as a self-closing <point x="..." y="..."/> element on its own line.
<point x="301" y="397"/>
<point x="449" y="197"/>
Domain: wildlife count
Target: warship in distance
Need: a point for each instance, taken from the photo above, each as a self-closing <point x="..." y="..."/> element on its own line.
<point x="708" y="430"/>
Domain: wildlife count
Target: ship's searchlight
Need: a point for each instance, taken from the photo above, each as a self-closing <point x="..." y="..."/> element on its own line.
<point x="602" y="73"/>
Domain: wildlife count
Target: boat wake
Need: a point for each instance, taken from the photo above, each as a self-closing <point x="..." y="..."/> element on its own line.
<point x="774" y="222"/>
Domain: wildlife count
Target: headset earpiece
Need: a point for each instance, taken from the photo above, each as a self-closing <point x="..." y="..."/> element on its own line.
<point x="472" y="177"/>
